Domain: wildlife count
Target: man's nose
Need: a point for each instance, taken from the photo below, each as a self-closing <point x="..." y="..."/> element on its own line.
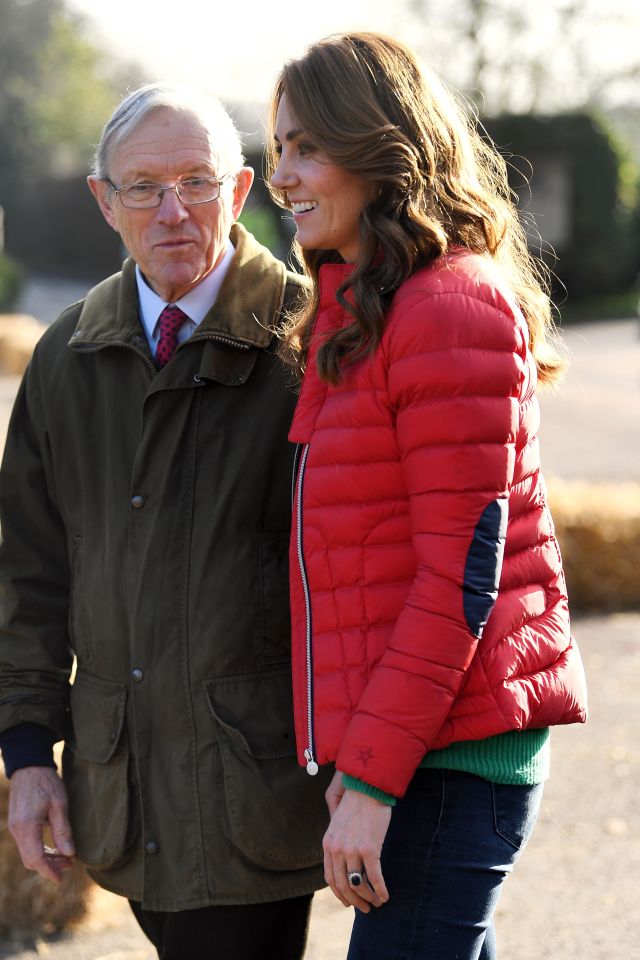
<point x="172" y="209"/>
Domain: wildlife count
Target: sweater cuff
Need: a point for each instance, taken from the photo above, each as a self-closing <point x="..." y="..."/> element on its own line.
<point x="27" y="745"/>
<point x="352" y="783"/>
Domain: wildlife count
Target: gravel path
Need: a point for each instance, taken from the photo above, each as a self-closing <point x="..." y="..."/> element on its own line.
<point x="591" y="423"/>
<point x="573" y="894"/>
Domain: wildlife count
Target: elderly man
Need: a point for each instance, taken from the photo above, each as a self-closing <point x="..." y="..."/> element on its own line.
<point x="145" y="514"/>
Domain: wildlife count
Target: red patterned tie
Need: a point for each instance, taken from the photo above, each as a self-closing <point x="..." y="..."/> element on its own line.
<point x="170" y="321"/>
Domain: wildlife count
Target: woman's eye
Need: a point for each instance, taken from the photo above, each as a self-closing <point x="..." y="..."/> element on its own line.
<point x="305" y="148"/>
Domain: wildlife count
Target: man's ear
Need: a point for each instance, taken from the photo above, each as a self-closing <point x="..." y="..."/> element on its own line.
<point x="105" y="198"/>
<point x="244" y="179"/>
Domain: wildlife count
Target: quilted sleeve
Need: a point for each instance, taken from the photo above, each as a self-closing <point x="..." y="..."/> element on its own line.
<point x="455" y="368"/>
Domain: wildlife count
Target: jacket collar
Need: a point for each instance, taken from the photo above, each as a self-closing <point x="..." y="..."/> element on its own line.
<point x="331" y="317"/>
<point x="109" y="315"/>
<point x="330" y="276"/>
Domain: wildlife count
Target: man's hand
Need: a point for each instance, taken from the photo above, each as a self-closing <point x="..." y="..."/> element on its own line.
<point x="353" y="842"/>
<point x="38" y="800"/>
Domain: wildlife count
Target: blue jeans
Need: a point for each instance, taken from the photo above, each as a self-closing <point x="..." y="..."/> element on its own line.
<point x="451" y="842"/>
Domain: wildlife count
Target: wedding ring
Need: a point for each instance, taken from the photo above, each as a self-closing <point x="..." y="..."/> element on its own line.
<point x="355" y="878"/>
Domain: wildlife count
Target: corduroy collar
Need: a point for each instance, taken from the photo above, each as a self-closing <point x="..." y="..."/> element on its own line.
<point x="110" y="314"/>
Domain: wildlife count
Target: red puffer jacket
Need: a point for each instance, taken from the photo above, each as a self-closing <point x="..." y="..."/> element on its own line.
<point x="428" y="598"/>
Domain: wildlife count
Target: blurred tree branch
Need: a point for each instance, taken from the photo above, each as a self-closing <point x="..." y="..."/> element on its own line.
<point x="544" y="57"/>
<point x="56" y="89"/>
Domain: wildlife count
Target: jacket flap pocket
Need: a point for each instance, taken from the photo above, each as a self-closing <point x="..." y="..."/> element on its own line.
<point x="102" y="807"/>
<point x="276" y="813"/>
<point x="256" y="710"/>
<point x="97" y="716"/>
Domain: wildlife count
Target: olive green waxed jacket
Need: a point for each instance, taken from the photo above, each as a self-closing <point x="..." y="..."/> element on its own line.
<point x="145" y="521"/>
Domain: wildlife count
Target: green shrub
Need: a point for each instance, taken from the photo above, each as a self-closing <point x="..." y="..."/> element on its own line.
<point x="615" y="306"/>
<point x="11" y="278"/>
<point x="262" y="223"/>
<point x="601" y="253"/>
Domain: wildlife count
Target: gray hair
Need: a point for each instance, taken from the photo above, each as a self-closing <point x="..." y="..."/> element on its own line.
<point x="136" y="106"/>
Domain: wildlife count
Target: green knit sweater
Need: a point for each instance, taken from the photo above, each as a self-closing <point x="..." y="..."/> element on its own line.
<point x="517" y="757"/>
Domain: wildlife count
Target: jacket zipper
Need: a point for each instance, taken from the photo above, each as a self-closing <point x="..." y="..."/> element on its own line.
<point x="227" y="340"/>
<point x="294" y="473"/>
<point x="81" y="348"/>
<point x="309" y="753"/>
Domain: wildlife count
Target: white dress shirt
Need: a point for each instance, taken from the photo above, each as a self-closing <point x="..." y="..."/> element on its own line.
<point x="196" y="303"/>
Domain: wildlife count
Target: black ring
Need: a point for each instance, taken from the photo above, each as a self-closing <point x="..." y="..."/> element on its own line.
<point x="355" y="878"/>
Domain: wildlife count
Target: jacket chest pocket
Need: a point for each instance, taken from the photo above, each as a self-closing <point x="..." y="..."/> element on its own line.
<point x="96" y="772"/>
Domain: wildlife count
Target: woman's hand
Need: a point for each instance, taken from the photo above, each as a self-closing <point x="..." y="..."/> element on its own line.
<point x="334" y="793"/>
<point x="353" y="842"/>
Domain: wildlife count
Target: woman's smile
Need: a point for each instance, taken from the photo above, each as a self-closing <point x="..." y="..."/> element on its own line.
<point x="325" y="199"/>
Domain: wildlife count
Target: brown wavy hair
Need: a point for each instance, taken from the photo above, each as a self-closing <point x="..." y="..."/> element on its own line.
<point x="373" y="109"/>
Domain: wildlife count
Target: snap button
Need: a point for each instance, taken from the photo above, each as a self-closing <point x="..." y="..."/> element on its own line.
<point x="137" y="675"/>
<point x="137" y="502"/>
<point x="113" y="737"/>
<point x="152" y="847"/>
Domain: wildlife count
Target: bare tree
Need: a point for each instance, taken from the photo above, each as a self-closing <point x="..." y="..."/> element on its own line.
<point x="541" y="57"/>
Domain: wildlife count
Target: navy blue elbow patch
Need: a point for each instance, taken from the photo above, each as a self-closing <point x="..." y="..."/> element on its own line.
<point x="484" y="564"/>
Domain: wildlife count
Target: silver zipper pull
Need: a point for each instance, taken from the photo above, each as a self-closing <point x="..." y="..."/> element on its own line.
<point x="312" y="766"/>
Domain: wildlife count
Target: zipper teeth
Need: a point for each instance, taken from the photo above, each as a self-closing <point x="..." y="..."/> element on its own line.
<point x="219" y="339"/>
<point x="79" y="348"/>
<point x="310" y="752"/>
<point x="227" y="340"/>
<point x="294" y="472"/>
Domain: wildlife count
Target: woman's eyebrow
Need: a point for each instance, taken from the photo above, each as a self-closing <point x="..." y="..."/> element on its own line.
<point x="291" y="135"/>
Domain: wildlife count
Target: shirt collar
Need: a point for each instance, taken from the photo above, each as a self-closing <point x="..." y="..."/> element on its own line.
<point x="196" y="303"/>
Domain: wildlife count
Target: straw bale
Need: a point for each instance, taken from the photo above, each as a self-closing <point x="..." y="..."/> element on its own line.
<point x="19" y="334"/>
<point x="598" y="528"/>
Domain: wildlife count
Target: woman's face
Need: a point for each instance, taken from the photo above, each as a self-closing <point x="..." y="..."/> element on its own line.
<point x="326" y="200"/>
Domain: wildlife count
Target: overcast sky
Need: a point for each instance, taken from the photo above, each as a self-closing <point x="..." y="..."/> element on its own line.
<point x="235" y="47"/>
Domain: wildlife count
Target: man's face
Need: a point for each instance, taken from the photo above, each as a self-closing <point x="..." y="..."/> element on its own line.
<point x="175" y="245"/>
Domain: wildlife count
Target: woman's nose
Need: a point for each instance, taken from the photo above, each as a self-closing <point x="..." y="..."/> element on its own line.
<point x="283" y="175"/>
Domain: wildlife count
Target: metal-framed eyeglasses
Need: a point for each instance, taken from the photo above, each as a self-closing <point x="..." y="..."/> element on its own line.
<point x="145" y="195"/>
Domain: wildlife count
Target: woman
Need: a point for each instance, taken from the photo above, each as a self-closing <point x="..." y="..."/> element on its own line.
<point x="432" y="648"/>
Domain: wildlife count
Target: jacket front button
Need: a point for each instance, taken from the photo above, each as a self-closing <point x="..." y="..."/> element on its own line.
<point x="137" y="502"/>
<point x="152" y="847"/>
<point x="137" y="675"/>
